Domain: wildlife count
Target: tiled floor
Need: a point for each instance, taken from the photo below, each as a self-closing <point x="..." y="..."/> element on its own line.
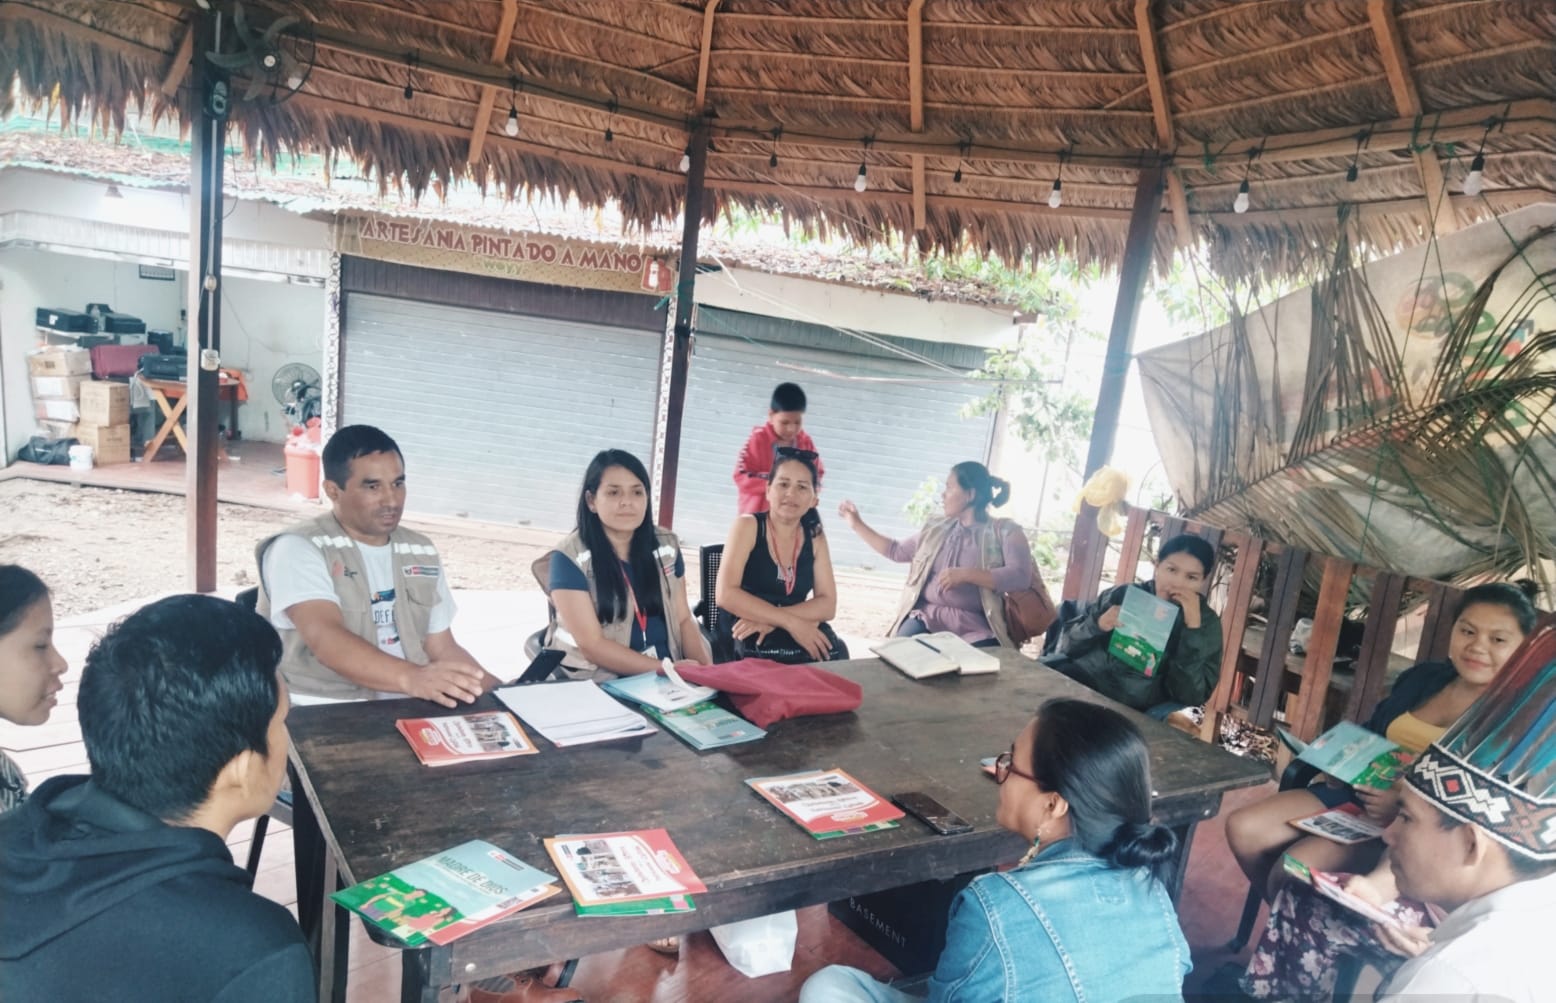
<point x="1209" y="908"/>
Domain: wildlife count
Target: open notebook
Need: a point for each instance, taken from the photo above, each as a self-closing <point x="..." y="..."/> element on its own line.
<point x="924" y="655"/>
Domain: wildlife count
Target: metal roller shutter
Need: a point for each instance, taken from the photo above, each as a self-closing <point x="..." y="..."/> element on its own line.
<point x="879" y="441"/>
<point x="497" y="414"/>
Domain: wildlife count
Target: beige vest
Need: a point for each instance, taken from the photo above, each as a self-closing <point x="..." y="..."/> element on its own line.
<point x="416" y="572"/>
<point x="620" y="631"/>
<point x="991" y="555"/>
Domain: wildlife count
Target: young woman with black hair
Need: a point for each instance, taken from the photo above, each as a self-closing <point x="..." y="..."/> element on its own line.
<point x="775" y="577"/>
<point x="30" y="666"/>
<point x="961" y="565"/>
<point x="617" y="582"/>
<point x="1085" y="915"/>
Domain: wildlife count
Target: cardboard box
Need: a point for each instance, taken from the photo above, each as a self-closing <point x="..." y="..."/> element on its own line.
<point x="104" y="402"/>
<point x="59" y="387"/>
<point x="56" y="410"/>
<point x="110" y="443"/>
<point x="59" y="360"/>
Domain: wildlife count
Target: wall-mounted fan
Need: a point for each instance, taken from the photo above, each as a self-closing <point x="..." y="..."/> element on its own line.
<point x="276" y="60"/>
<point x="296" y="386"/>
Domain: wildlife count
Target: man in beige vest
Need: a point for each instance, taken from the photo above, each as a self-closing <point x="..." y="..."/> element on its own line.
<point x="363" y="605"/>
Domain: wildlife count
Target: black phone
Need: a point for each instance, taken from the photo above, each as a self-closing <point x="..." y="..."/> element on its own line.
<point x="541" y="668"/>
<point x="931" y="812"/>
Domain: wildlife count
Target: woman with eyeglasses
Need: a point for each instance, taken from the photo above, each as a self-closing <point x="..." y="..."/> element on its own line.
<point x="1084" y="915"/>
<point x="959" y="566"/>
<point x="775" y="577"/>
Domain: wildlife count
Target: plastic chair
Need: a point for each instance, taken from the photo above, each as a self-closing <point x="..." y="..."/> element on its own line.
<point x="281" y="810"/>
<point x="707" y="609"/>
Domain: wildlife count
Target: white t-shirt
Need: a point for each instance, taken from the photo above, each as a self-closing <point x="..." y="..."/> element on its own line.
<point x="295" y="571"/>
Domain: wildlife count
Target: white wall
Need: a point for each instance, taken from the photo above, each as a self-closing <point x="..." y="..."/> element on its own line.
<point x="837" y="305"/>
<point x="264" y="324"/>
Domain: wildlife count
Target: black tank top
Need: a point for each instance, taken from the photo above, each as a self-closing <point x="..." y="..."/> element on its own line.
<point x="761" y="577"/>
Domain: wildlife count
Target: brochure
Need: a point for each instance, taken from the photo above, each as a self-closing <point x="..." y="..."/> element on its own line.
<point x="1328" y="885"/>
<point x="1353" y="755"/>
<point x="463" y="738"/>
<point x="650" y="689"/>
<point x="573" y="713"/>
<point x="706" y="726"/>
<point x="1145" y="623"/>
<point x="828" y="803"/>
<point x="448" y="895"/>
<point x="922" y="655"/>
<point x="625" y="873"/>
<point x="1345" y="824"/>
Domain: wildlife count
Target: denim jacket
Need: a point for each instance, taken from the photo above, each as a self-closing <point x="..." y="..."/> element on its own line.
<point x="1066" y="926"/>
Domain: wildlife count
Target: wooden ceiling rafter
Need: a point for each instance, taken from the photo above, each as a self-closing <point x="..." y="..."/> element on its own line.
<point x="1161" y="110"/>
<point x="916" y="107"/>
<point x="704" y="59"/>
<point x="501" y="40"/>
<point x="180" y="64"/>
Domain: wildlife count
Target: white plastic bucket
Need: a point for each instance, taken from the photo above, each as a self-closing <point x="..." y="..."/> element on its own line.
<point x="80" y="457"/>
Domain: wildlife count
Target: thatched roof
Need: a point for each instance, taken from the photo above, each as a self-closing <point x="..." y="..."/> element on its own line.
<point x="1290" y="92"/>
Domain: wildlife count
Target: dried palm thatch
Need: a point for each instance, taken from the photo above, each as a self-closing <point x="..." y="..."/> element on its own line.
<point x="1402" y="415"/>
<point x="964" y="112"/>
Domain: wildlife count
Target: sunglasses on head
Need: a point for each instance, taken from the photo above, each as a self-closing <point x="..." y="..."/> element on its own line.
<point x="794" y="453"/>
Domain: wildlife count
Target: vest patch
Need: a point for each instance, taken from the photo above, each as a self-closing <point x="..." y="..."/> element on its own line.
<point x="421" y="571"/>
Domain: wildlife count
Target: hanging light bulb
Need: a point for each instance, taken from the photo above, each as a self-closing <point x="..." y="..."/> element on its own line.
<point x="295" y="81"/>
<point x="686" y="160"/>
<point x="957" y="177"/>
<point x="1351" y="173"/>
<point x="1240" y="204"/>
<point x="410" y="91"/>
<point x="772" y="159"/>
<point x="1055" y="199"/>
<point x="610" y="134"/>
<point x="1475" y="180"/>
<point x="511" y="127"/>
<point x="860" y="182"/>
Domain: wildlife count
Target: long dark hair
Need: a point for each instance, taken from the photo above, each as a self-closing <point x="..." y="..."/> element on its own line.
<point x="20" y="590"/>
<point x="1515" y="597"/>
<point x="810" y="522"/>
<point x="985" y="487"/>
<point x="610" y="590"/>
<point x="1096" y="760"/>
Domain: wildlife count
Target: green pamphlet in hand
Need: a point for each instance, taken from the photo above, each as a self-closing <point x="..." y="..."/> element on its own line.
<point x="1353" y="755"/>
<point x="1144" y="624"/>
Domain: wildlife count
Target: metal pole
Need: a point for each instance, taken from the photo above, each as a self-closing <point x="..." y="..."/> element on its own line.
<point x="681" y="342"/>
<point x="208" y="97"/>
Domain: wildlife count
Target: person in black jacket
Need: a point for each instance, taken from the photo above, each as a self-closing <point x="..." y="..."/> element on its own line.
<point x="120" y="885"/>
<point x="1491" y="621"/>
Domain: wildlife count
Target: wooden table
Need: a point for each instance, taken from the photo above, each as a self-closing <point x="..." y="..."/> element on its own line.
<point x="228" y="388"/>
<point x="377" y="809"/>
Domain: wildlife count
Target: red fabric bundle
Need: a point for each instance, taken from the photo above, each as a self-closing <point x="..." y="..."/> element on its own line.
<point x="764" y="691"/>
<point x="118" y="360"/>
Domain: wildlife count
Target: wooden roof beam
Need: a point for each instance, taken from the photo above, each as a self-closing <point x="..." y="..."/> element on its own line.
<point x="180" y="64"/>
<point x="916" y="104"/>
<point x="1407" y="101"/>
<point x="705" y="57"/>
<point x="1161" y="110"/>
<point x="483" y="108"/>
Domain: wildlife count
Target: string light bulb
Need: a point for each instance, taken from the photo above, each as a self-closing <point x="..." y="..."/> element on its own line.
<point x="1475" y="180"/>
<point x="860" y="181"/>
<point x="511" y="127"/>
<point x="686" y="160"/>
<point x="294" y="82"/>
<point x="1240" y="204"/>
<point x="1055" y="194"/>
<point x="610" y="107"/>
<point x="772" y="155"/>
<point x="961" y="156"/>
<point x="410" y="75"/>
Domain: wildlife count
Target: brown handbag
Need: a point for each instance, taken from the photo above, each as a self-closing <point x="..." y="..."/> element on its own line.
<point x="1029" y="612"/>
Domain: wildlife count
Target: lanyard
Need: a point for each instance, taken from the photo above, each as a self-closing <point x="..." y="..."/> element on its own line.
<point x="791" y="573"/>
<point x="637" y="611"/>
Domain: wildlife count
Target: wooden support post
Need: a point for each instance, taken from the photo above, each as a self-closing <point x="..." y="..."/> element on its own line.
<point x="681" y="339"/>
<point x="208" y="97"/>
<point x="1377" y="643"/>
<point x="1234" y="623"/>
<point x="1318" y="665"/>
<point x="1134" y="540"/>
<point x="1270" y="682"/>
<point x="1087" y="544"/>
<point x="1437" y="627"/>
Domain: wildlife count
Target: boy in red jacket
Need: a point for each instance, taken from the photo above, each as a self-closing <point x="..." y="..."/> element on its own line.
<point x="784" y="427"/>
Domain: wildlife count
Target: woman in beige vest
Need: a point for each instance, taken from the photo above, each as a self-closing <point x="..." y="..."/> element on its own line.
<point x="961" y="565"/>
<point x="617" y="582"/>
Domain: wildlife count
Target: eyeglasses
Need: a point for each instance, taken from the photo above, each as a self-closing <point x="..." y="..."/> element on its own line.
<point x="1005" y="765"/>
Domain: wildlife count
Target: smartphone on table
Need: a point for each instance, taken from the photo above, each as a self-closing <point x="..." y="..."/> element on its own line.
<point x="931" y="812"/>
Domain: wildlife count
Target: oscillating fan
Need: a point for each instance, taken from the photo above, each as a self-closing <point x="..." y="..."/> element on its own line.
<point x="296" y="386"/>
<point x="279" y="58"/>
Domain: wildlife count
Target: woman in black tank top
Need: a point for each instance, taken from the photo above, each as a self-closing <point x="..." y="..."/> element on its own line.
<point x="775" y="578"/>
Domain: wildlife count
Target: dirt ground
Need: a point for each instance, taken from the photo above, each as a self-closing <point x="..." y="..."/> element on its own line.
<point x="97" y="547"/>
